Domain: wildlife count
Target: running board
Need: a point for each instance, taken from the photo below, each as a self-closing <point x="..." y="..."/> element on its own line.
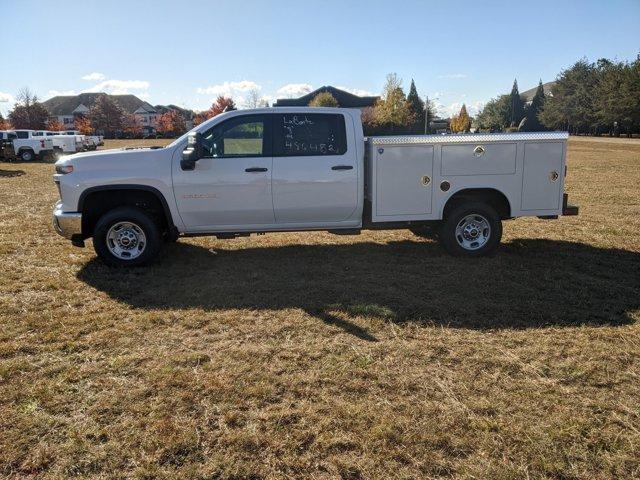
<point x="345" y="231"/>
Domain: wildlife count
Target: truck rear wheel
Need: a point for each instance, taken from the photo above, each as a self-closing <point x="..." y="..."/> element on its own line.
<point x="472" y="229"/>
<point x="127" y="237"/>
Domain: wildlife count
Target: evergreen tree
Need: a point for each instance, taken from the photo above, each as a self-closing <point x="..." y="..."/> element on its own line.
<point x="495" y="115"/>
<point x="617" y="96"/>
<point x="516" y="106"/>
<point x="416" y="107"/>
<point x="572" y="105"/>
<point x="532" y="122"/>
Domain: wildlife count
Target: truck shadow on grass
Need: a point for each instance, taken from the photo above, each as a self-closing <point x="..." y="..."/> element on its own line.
<point x="528" y="284"/>
<point x="11" y="173"/>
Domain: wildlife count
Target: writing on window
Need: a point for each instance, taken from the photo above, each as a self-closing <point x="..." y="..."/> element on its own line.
<point x="311" y="134"/>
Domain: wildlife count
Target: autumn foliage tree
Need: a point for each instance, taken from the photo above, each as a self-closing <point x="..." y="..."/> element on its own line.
<point x="131" y="126"/>
<point x="222" y="104"/>
<point x="28" y="112"/>
<point x="106" y="115"/>
<point x="171" y="123"/>
<point x="83" y="125"/>
<point x="324" y="99"/>
<point x="4" y="125"/>
<point x="461" y="123"/>
<point x="392" y="114"/>
<point x="55" y="125"/>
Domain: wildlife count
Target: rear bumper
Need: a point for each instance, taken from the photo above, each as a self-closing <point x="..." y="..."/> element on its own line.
<point x="568" y="209"/>
<point x="67" y="224"/>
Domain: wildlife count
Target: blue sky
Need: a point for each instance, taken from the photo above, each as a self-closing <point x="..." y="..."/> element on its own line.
<point x="187" y="52"/>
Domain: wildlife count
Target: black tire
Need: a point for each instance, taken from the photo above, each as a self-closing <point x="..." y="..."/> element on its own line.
<point x="493" y="235"/>
<point x="27" y="156"/>
<point x="143" y="221"/>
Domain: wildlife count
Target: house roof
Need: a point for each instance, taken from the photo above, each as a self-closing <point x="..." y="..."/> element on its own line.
<point x="185" y="112"/>
<point x="66" y="104"/>
<point x="345" y="99"/>
<point x="529" y="94"/>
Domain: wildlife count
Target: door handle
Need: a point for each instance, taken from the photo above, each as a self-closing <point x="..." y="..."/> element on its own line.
<point x="342" y="167"/>
<point x="256" y="169"/>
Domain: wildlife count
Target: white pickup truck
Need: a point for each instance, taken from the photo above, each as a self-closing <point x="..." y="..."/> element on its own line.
<point x="62" y="144"/>
<point x="93" y="141"/>
<point x="296" y="169"/>
<point x="28" y="147"/>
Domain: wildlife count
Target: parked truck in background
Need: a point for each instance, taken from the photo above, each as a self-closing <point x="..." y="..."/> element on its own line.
<point x="28" y="147"/>
<point x="298" y="169"/>
<point x="94" y="140"/>
<point x="62" y="144"/>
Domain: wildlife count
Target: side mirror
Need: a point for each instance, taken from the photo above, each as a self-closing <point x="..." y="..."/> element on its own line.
<point x="193" y="152"/>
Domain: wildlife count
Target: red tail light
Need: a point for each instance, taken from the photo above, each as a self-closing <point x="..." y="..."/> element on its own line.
<point x="41" y="143"/>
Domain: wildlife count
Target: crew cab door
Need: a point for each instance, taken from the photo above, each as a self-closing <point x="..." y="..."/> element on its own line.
<point x="231" y="184"/>
<point x="315" y="169"/>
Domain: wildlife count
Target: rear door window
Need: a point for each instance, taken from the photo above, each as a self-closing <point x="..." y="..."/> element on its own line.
<point x="309" y="134"/>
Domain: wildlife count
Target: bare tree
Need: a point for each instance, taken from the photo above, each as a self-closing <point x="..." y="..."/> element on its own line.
<point x="253" y="100"/>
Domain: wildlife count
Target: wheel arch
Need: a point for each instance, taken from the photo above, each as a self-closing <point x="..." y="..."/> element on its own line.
<point x="491" y="196"/>
<point x="95" y="201"/>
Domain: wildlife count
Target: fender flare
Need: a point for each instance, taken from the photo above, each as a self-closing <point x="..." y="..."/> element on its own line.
<point x="130" y="186"/>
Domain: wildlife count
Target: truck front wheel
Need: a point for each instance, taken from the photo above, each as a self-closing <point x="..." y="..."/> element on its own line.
<point x="471" y="229"/>
<point x="127" y="237"/>
<point x="27" y="155"/>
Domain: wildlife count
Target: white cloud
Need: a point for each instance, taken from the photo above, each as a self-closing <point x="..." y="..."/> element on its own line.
<point x="229" y="89"/>
<point x="453" y="75"/>
<point x="55" y="93"/>
<point x="454" y="108"/>
<point x="119" y="87"/>
<point x="6" y="98"/>
<point x="476" y="107"/>
<point x="358" y="91"/>
<point x="94" y="77"/>
<point x="295" y="89"/>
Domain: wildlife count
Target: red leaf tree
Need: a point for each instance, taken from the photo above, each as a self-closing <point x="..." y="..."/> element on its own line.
<point x="131" y="127"/>
<point x="222" y="104"/>
<point x="106" y="115"/>
<point x="171" y="123"/>
<point x="83" y="125"/>
<point x="54" y="125"/>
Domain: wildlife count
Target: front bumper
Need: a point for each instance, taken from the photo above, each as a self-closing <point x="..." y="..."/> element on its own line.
<point x="67" y="224"/>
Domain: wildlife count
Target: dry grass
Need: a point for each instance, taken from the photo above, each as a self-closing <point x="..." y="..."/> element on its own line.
<point x="150" y="142"/>
<point x="316" y="356"/>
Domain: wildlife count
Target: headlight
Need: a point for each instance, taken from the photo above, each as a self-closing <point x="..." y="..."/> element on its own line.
<point x="64" y="169"/>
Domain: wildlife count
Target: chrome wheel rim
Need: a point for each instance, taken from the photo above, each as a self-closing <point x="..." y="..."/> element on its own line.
<point x="473" y="232"/>
<point x="126" y="240"/>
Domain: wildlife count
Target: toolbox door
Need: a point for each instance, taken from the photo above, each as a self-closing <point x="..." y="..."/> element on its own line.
<point x="542" y="175"/>
<point x="404" y="180"/>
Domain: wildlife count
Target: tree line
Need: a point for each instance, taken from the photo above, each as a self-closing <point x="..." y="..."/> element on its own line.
<point x="592" y="98"/>
<point x="105" y="116"/>
<point x="595" y="98"/>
